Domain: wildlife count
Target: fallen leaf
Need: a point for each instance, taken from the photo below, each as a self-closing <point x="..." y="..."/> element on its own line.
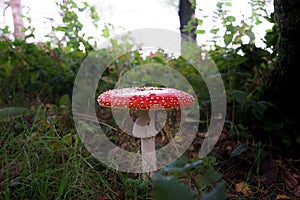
<point x="202" y="134"/>
<point x="296" y="191"/>
<point x="269" y="171"/>
<point x="178" y="138"/>
<point x="54" y="144"/>
<point x="282" y="196"/>
<point x="102" y="198"/>
<point x="289" y="179"/>
<point x="48" y="105"/>
<point x="243" y="188"/>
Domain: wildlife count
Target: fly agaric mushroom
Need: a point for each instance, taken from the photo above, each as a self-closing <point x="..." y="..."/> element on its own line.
<point x="145" y="99"/>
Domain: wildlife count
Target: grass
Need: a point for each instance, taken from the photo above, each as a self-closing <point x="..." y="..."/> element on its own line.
<point x="43" y="159"/>
<point x="37" y="169"/>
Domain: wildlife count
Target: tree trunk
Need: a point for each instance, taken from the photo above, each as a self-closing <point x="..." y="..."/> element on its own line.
<point x="188" y="22"/>
<point x="16" y="7"/>
<point x="284" y="82"/>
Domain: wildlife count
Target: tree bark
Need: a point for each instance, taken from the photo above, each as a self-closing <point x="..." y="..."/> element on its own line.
<point x="284" y="82"/>
<point x="16" y="7"/>
<point x="187" y="17"/>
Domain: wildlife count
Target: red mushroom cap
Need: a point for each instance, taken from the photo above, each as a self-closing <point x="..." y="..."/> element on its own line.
<point x="146" y="98"/>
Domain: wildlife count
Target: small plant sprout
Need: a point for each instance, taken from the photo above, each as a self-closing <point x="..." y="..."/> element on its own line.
<point x="145" y="100"/>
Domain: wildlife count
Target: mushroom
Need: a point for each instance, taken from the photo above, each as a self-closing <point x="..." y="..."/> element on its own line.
<point x="146" y="99"/>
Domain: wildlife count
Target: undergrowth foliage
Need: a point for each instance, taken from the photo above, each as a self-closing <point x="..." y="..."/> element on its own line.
<point x="36" y="71"/>
<point x="41" y="155"/>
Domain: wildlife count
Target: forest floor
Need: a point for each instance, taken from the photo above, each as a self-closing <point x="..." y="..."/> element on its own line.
<point x="41" y="157"/>
<point x="251" y="168"/>
<point x="254" y="170"/>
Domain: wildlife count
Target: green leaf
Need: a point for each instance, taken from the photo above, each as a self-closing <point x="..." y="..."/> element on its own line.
<point x="211" y="176"/>
<point x="73" y="43"/>
<point x="272" y="126"/>
<point x="181" y="165"/>
<point x="188" y="27"/>
<point x="68" y="138"/>
<point x="231" y="28"/>
<point x="258" y="22"/>
<point x="5" y="113"/>
<point x="169" y="188"/>
<point x="200" y="31"/>
<point x="200" y="22"/>
<point x="260" y="107"/>
<point x="228" y="4"/>
<point x="214" y="31"/>
<point x="250" y="34"/>
<point x="61" y="28"/>
<point x="176" y="169"/>
<point x="5" y="30"/>
<point x="240" y="96"/>
<point x="219" y="5"/>
<point x="94" y="15"/>
<point x="105" y="32"/>
<point x="228" y="38"/>
<point x="269" y="19"/>
<point x="64" y="101"/>
<point x="237" y="39"/>
<point x="217" y="194"/>
<point x="230" y="18"/>
<point x="239" y="149"/>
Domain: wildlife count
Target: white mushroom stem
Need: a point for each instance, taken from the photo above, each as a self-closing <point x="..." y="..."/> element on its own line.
<point x="144" y="128"/>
